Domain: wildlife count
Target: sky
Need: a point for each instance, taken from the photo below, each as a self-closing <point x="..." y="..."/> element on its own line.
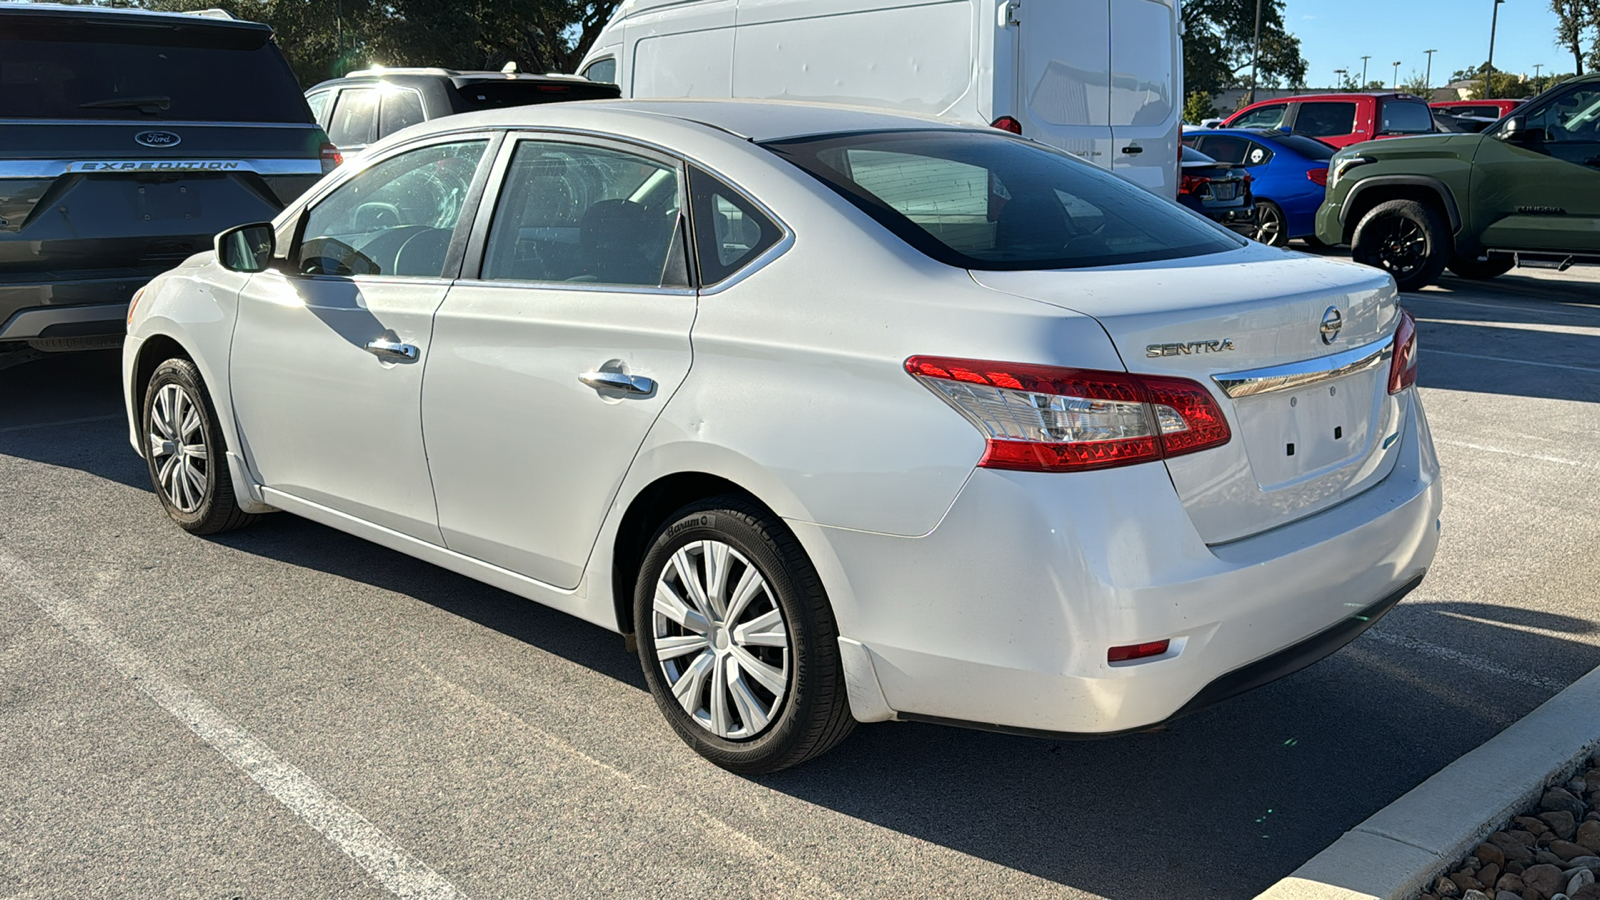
<point x="1335" y="34"/>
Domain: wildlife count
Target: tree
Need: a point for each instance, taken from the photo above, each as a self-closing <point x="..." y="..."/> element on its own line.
<point x="1503" y="86"/>
<point x="1574" y="19"/>
<point x="1417" y="84"/>
<point x="1198" y="107"/>
<point x="1219" y="37"/>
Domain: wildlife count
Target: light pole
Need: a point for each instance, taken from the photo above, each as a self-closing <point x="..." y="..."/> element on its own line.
<point x="1255" y="56"/>
<point x="1343" y="74"/>
<point x="1536" y="77"/>
<point x="1364" y="72"/>
<point x="1397" y="74"/>
<point x="1428" y="78"/>
<point x="1494" y="23"/>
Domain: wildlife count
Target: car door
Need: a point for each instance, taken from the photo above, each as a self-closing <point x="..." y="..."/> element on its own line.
<point x="557" y="349"/>
<point x="1327" y="120"/>
<point x="329" y="348"/>
<point x="1063" y="79"/>
<point x="1539" y="188"/>
<point x="1145" y="98"/>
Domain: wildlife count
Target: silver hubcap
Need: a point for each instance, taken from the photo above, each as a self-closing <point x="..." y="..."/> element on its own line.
<point x="721" y="640"/>
<point x="178" y="448"/>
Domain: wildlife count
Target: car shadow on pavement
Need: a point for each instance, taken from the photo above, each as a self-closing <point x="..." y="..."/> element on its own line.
<point x="66" y="410"/>
<point x="1487" y="353"/>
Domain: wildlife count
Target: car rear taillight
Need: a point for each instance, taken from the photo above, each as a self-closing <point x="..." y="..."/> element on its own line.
<point x="1403" y="365"/>
<point x="1318" y="176"/>
<point x="1006" y="123"/>
<point x="1049" y="419"/>
<point x="1138" y="651"/>
<point x="1192" y="184"/>
<point x="331" y="158"/>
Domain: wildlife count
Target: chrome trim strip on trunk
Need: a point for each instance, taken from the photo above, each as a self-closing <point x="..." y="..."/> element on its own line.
<point x="54" y="168"/>
<point x="1296" y="375"/>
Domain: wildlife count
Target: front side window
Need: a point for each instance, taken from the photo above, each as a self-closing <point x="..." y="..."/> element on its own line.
<point x="587" y="215"/>
<point x="401" y="108"/>
<point x="355" y="118"/>
<point x="1573" y="116"/>
<point x="602" y="70"/>
<point x="395" y="218"/>
<point x="1325" y="119"/>
<point x="989" y="201"/>
<point x="1405" y="117"/>
<point x="1265" y="117"/>
<point x="729" y="230"/>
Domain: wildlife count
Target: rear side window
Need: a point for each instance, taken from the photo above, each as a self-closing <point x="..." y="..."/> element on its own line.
<point x="1232" y="149"/>
<point x="61" y="68"/>
<point x="1324" y="119"/>
<point x="400" y="108"/>
<point x="1406" y="117"/>
<point x="729" y="231"/>
<point x="602" y="70"/>
<point x="355" y="117"/>
<point x="989" y="201"/>
<point x="495" y="94"/>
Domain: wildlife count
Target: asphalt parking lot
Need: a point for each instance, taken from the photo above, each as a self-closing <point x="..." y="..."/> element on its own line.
<point x="287" y="711"/>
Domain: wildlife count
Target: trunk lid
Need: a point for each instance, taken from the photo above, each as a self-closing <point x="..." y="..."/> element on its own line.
<point x="1313" y="422"/>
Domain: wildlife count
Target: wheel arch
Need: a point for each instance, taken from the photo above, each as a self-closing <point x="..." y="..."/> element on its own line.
<point x="1369" y="192"/>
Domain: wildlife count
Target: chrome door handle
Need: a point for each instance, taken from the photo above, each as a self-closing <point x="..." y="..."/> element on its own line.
<point x="383" y="348"/>
<point x="616" y="381"/>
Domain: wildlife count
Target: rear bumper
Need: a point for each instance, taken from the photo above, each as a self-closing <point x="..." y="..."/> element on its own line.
<point x="1002" y="616"/>
<point x="53" y="305"/>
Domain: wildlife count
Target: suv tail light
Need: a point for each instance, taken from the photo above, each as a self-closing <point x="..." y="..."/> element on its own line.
<point x="1403" y="365"/>
<point x="1318" y="176"/>
<point x="1048" y="419"/>
<point x="1006" y="123"/>
<point x="331" y="158"/>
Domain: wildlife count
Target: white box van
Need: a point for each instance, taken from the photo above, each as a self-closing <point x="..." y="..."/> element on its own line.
<point x="1098" y="78"/>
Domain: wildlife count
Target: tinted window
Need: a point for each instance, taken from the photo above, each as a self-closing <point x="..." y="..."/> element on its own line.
<point x="1310" y="148"/>
<point x="1231" y="148"/>
<point x="1322" y="119"/>
<point x="1573" y="116"/>
<point x="1265" y="117"/>
<point x="62" y="70"/>
<point x="317" y="101"/>
<point x="729" y="231"/>
<point x="1406" y="117"/>
<point x="603" y="70"/>
<point x="989" y="201"/>
<point x="495" y="94"/>
<point x="1191" y="155"/>
<point x="395" y="218"/>
<point x="400" y="108"/>
<point x="355" y="117"/>
<point x="570" y="213"/>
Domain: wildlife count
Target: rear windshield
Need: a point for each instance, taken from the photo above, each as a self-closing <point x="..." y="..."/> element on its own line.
<point x="1310" y="148"/>
<point x="989" y="201"/>
<point x="59" y="70"/>
<point x="478" y="95"/>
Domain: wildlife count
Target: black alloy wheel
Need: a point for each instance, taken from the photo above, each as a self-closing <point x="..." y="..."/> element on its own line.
<point x="1272" y="227"/>
<point x="1407" y="239"/>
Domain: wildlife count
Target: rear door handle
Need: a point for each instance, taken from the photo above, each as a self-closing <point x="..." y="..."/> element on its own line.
<point x="1133" y="149"/>
<point x="617" y="381"/>
<point x="383" y="348"/>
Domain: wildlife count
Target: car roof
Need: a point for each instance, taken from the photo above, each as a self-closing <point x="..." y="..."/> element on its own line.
<point x="756" y="120"/>
<point x="1347" y="95"/>
<point x="214" y="18"/>
<point x="457" y="77"/>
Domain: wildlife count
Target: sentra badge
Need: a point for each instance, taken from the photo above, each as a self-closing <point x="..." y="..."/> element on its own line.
<point x="1189" y="349"/>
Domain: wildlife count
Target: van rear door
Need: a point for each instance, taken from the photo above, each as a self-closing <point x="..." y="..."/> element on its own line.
<point x="1063" y="81"/>
<point x="1145" y="107"/>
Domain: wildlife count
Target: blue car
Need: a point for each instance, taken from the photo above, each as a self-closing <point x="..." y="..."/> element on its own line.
<point x="1289" y="174"/>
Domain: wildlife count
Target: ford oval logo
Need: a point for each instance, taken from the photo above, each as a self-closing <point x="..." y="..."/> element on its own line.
<point x="1332" y="321"/>
<point x="157" y="139"/>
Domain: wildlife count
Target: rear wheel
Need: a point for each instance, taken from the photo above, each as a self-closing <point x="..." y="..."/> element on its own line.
<point x="1481" y="269"/>
<point x="1272" y="227"/>
<point x="1407" y="239"/>
<point x="738" y="641"/>
<point x="186" y="454"/>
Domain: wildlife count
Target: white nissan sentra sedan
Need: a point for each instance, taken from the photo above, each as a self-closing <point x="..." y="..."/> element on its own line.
<point x="839" y="415"/>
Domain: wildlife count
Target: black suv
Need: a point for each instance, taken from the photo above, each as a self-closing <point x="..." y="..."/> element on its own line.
<point x="371" y="104"/>
<point x="127" y="140"/>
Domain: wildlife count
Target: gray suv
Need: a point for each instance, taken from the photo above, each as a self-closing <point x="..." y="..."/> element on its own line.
<point x="127" y="140"/>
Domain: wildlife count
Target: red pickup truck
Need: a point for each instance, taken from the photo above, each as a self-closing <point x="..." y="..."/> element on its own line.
<point x="1483" y="109"/>
<point x="1339" y="119"/>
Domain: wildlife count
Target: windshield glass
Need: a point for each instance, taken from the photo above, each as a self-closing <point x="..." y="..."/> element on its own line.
<point x="196" y="74"/>
<point x="989" y="201"/>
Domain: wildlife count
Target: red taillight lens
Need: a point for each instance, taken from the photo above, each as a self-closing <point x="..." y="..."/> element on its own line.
<point x="1137" y="651"/>
<point x="1192" y="184"/>
<point x="1049" y="419"/>
<point x="1318" y="176"/>
<point x="331" y="158"/>
<point x="1403" y="366"/>
<point x="1006" y="123"/>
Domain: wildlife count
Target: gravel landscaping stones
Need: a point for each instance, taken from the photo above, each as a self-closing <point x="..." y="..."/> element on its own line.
<point x="1551" y="853"/>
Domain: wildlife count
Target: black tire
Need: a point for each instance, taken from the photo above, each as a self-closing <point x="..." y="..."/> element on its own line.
<point x="203" y="504"/>
<point x="1407" y="239"/>
<point x="1481" y="269"/>
<point x="1272" y="226"/>
<point x="813" y="713"/>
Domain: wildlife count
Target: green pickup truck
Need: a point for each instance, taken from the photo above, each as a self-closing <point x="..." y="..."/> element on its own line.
<point x="1525" y="192"/>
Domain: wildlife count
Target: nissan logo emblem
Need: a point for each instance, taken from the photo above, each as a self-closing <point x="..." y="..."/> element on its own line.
<point x="157" y="139"/>
<point x="1332" y="321"/>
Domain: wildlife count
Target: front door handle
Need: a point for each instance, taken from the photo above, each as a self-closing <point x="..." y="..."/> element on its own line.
<point x="617" y="381"/>
<point x="383" y="348"/>
<point x="1133" y="149"/>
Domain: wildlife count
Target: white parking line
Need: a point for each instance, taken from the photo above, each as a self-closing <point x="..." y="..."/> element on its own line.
<point x="1466" y="660"/>
<point x="1554" y="459"/>
<point x="388" y="863"/>
<point x="1506" y="359"/>
<point x="10" y="428"/>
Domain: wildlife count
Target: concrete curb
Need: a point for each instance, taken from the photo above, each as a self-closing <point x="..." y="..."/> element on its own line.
<point x="1399" y="850"/>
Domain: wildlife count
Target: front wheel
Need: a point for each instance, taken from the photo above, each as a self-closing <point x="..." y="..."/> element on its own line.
<point x="186" y="454"/>
<point x="1272" y="227"/>
<point x="1481" y="269"/>
<point x="738" y="641"/>
<point x="1407" y="239"/>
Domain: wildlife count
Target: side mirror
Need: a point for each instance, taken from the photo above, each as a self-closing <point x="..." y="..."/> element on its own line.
<point x="246" y="248"/>
<point x="1515" y="129"/>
